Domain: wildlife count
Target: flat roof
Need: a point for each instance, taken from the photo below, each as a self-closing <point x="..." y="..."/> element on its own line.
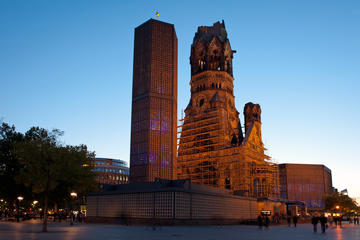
<point x="164" y="185"/>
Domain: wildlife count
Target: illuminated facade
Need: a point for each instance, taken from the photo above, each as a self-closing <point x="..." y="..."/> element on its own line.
<point x="111" y="171"/>
<point x="154" y="102"/>
<point x="212" y="148"/>
<point x="308" y="183"/>
<point x="169" y="202"/>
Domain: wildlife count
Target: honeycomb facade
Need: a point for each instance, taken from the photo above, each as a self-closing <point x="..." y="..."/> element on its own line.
<point x="169" y="202"/>
<point x="154" y="102"/>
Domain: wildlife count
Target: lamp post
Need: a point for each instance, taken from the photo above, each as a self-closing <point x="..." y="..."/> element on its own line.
<point x="34" y="205"/>
<point x="73" y="195"/>
<point x="19" y="199"/>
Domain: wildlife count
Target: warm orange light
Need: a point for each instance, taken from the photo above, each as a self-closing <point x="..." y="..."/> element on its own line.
<point x="20" y="198"/>
<point x="337" y="207"/>
<point x="73" y="194"/>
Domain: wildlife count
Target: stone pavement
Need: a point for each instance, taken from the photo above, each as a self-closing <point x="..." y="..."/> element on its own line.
<point x="31" y="230"/>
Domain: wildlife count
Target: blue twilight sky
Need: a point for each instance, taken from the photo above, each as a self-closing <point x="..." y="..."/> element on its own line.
<point x="68" y="64"/>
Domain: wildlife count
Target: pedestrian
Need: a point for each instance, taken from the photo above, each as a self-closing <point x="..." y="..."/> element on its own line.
<point x="335" y="220"/>
<point x="276" y="219"/>
<point x="260" y="221"/>
<point x="267" y="221"/>
<point x="80" y="217"/>
<point x="340" y="220"/>
<point x="295" y="219"/>
<point x="314" y="221"/>
<point x="288" y="220"/>
<point x="323" y="222"/>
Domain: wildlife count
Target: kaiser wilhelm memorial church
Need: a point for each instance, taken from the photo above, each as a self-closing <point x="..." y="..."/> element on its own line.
<point x="211" y="168"/>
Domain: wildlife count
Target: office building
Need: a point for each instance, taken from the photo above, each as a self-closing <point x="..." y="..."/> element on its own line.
<point x="111" y="171"/>
<point x="307" y="183"/>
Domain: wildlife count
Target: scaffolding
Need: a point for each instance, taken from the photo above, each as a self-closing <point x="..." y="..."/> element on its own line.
<point x="201" y="134"/>
<point x="206" y="158"/>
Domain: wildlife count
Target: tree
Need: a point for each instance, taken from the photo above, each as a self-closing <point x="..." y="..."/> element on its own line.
<point x="345" y="203"/>
<point x="51" y="169"/>
<point x="10" y="165"/>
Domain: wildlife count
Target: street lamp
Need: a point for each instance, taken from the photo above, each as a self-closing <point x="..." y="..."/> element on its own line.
<point x="73" y="196"/>
<point x="34" y="205"/>
<point x="19" y="199"/>
<point x="337" y="207"/>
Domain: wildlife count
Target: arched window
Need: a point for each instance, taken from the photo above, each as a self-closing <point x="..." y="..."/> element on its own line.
<point x="234" y="140"/>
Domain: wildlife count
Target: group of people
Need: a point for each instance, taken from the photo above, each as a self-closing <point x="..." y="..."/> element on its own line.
<point x="356" y="220"/>
<point x="77" y="217"/>
<point x="263" y="220"/>
<point x="323" y="222"/>
<point x="294" y="219"/>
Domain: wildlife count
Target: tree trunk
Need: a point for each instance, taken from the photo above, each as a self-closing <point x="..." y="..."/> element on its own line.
<point x="44" y="226"/>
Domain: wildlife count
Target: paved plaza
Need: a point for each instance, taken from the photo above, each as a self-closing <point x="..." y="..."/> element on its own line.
<point x="31" y="230"/>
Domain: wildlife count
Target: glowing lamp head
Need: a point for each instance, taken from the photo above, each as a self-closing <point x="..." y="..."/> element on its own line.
<point x="20" y="198"/>
<point x="337" y="207"/>
<point x="73" y="194"/>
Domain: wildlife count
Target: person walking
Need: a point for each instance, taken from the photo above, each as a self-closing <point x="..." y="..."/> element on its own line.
<point x="267" y="221"/>
<point x="323" y="222"/>
<point x="288" y="220"/>
<point x="314" y="222"/>
<point x="335" y="220"/>
<point x="340" y="220"/>
<point x="295" y="220"/>
<point x="260" y="221"/>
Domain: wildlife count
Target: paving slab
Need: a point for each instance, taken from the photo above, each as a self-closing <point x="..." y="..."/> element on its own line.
<point x="56" y="231"/>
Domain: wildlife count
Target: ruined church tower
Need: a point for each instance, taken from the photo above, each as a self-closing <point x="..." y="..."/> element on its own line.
<point x="212" y="149"/>
<point x="211" y="120"/>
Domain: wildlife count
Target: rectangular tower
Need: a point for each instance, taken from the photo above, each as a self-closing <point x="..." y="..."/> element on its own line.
<point x="154" y="102"/>
<point x="308" y="183"/>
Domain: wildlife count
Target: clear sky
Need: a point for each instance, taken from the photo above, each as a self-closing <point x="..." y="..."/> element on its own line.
<point x="68" y="64"/>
